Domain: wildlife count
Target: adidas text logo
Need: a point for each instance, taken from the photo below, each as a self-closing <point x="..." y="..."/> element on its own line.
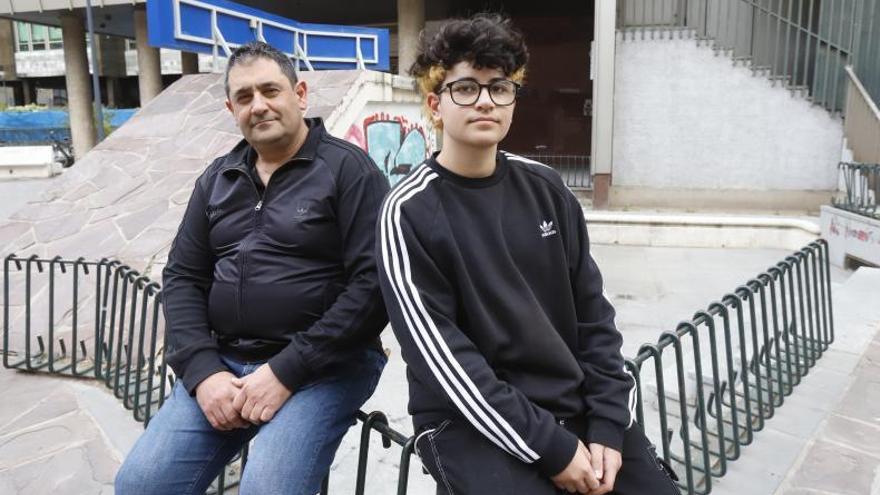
<point x="547" y="228"/>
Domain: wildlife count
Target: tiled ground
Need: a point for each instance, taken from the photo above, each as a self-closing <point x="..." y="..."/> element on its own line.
<point x="843" y="456"/>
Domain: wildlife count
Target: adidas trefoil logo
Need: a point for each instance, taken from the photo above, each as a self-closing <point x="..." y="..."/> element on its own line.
<point x="547" y="228"/>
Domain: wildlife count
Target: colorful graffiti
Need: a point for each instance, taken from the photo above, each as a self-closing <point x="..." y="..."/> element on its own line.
<point x="394" y="142"/>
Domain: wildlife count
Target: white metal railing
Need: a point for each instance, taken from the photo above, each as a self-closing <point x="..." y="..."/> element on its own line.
<point x="862" y="124"/>
<point x="299" y="51"/>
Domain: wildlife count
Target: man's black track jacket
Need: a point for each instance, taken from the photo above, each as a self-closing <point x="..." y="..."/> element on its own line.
<point x="499" y="310"/>
<point x="286" y="273"/>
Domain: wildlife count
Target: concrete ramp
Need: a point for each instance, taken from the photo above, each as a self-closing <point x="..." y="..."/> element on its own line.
<point x="125" y="198"/>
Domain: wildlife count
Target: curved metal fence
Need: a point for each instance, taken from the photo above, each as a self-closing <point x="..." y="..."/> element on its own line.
<point x="102" y="320"/>
<point x="704" y="389"/>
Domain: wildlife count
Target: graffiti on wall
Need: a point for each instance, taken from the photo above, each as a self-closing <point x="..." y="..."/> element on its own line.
<point x="860" y="233"/>
<point x="394" y="142"/>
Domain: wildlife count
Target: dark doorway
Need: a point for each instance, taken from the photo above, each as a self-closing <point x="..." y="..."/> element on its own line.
<point x="553" y="115"/>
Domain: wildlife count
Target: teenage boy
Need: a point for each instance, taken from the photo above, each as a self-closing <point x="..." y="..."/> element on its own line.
<point x="517" y="384"/>
<point x="271" y="299"/>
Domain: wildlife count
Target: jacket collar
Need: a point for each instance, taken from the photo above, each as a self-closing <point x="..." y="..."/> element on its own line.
<point x="243" y="155"/>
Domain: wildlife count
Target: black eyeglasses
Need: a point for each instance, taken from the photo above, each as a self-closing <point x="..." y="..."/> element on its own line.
<point x="466" y="92"/>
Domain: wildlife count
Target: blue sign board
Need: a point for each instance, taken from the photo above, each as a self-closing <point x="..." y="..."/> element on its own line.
<point x="218" y="26"/>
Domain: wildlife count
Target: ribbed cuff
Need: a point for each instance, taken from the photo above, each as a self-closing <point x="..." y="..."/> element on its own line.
<point x="605" y="432"/>
<point x="201" y="365"/>
<point x="289" y="368"/>
<point x="558" y="452"/>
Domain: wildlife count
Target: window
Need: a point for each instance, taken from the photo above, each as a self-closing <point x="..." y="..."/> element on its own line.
<point x="40" y="33"/>
<point x="24" y="36"/>
<point x="37" y="37"/>
<point x="55" y="38"/>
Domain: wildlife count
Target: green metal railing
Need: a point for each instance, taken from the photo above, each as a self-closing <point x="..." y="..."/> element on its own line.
<point x="802" y="44"/>
<point x="710" y="385"/>
<point x="734" y="364"/>
<point x="101" y="320"/>
<point x="861" y="193"/>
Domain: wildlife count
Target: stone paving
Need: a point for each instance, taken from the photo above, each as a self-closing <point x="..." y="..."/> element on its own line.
<point x="16" y="193"/>
<point x="54" y="435"/>
<point x="842" y="457"/>
<point x="823" y="440"/>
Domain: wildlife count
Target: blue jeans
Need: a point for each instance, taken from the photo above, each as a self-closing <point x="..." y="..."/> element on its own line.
<point x="181" y="453"/>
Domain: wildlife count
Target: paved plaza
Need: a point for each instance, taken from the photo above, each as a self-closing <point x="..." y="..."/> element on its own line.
<point x="64" y="436"/>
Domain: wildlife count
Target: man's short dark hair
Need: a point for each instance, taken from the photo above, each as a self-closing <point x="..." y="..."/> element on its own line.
<point x="258" y="49"/>
<point x="485" y="40"/>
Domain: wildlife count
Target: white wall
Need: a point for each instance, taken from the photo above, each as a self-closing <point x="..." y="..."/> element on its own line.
<point x="50" y="63"/>
<point x="688" y="119"/>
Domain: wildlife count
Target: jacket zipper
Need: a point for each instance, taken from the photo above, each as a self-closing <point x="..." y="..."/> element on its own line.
<point x="258" y="210"/>
<point x="242" y="271"/>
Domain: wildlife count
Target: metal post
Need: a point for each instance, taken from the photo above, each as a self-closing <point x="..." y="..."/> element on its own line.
<point x="797" y="46"/>
<point x="96" y="86"/>
<point x="811" y="37"/>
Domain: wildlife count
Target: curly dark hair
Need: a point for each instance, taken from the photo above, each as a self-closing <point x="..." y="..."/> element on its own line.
<point x="484" y="40"/>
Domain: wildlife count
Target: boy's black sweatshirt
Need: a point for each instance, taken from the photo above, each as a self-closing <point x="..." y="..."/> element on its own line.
<point x="499" y="309"/>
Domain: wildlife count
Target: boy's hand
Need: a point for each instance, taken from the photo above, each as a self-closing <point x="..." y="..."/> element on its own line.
<point x="261" y="395"/>
<point x="606" y="463"/>
<point x="214" y="395"/>
<point x="578" y="476"/>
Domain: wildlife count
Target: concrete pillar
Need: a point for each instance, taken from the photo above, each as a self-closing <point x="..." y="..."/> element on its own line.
<point x="410" y="22"/>
<point x="601" y="191"/>
<point x="602" y="73"/>
<point x="149" y="64"/>
<point x="189" y="63"/>
<point x="8" y="92"/>
<point x="7" y="50"/>
<point x="18" y="93"/>
<point x="111" y="91"/>
<point x="79" y="89"/>
<point x="28" y="92"/>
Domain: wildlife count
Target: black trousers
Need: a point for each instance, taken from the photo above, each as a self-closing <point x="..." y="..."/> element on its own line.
<point x="464" y="462"/>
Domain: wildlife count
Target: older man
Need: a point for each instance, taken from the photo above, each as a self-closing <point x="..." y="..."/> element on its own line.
<point x="272" y="304"/>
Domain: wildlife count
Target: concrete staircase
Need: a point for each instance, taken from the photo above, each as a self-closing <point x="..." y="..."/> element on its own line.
<point x="694" y="130"/>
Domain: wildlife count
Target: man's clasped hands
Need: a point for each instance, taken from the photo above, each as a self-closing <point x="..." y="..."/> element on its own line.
<point x="230" y="402"/>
